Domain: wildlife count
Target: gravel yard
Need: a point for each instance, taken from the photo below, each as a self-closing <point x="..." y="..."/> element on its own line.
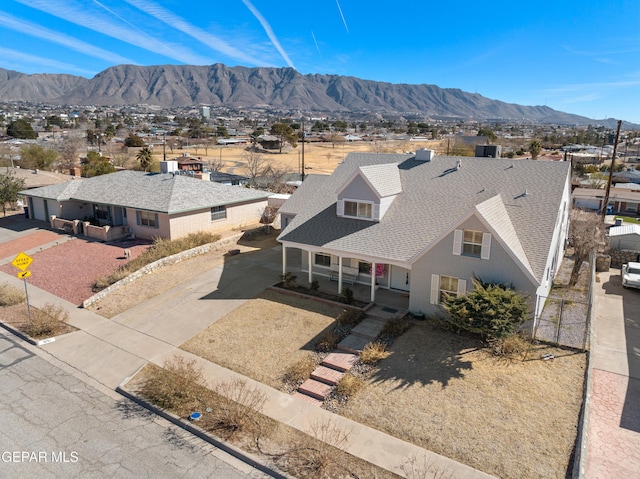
<point x="69" y="270"/>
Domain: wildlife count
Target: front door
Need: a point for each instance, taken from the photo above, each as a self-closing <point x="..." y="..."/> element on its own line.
<point x="400" y="278"/>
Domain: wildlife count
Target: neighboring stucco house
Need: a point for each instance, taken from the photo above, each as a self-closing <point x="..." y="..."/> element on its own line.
<point x="622" y="199"/>
<point x="428" y="225"/>
<point x="149" y="205"/>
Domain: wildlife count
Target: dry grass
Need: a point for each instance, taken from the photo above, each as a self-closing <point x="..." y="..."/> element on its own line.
<point x="349" y="386"/>
<point x="301" y="370"/>
<point x="374" y="352"/>
<point x="264" y="336"/>
<point x="45" y="322"/>
<point x="10" y="295"/>
<point x="446" y="393"/>
<point x="314" y="454"/>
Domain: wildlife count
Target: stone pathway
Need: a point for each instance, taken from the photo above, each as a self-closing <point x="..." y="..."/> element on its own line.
<point x="325" y="377"/>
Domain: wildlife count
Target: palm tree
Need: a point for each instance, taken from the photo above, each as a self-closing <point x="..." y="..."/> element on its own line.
<point x="145" y="158"/>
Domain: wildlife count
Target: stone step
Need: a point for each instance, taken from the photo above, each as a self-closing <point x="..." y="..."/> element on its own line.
<point x="309" y="399"/>
<point x="353" y="344"/>
<point x="340" y="361"/>
<point x="327" y="375"/>
<point x="369" y="328"/>
<point x="315" y="389"/>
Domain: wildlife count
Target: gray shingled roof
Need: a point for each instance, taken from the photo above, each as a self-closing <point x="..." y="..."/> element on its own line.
<point x="163" y="193"/>
<point x="384" y="178"/>
<point x="435" y="196"/>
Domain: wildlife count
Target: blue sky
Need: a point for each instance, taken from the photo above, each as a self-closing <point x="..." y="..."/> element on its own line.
<point x="580" y="57"/>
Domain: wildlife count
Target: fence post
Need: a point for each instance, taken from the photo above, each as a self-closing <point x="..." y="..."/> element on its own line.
<point x="559" y="321"/>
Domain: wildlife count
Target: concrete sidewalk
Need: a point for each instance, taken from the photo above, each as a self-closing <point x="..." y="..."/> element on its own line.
<point x="613" y="399"/>
<point x="110" y="350"/>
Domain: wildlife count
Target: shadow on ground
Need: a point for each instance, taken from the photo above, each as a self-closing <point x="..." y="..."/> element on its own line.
<point x="426" y="354"/>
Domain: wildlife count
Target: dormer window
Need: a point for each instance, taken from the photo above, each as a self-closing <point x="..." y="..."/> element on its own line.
<point x="358" y="209"/>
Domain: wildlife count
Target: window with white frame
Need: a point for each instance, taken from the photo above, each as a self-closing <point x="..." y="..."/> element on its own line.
<point x="448" y="287"/>
<point x="357" y="209"/>
<point x="102" y="212"/>
<point x="472" y="243"/>
<point x="218" y="212"/>
<point x="441" y="286"/>
<point x="322" y="260"/>
<point x="475" y="244"/>
<point x="364" y="267"/>
<point x="147" y="218"/>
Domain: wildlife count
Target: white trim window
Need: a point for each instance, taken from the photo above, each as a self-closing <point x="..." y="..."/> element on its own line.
<point x="358" y="209"/>
<point x="446" y="285"/>
<point x="321" y="259"/>
<point x="218" y="212"/>
<point x="475" y="244"/>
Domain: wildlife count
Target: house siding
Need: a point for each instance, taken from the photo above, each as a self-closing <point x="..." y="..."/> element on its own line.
<point x="358" y="189"/>
<point x="440" y="260"/>
<point x="183" y="224"/>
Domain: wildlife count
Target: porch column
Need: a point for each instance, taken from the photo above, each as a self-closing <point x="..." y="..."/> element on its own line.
<point x="339" y="274"/>
<point x="284" y="260"/>
<point x="373" y="281"/>
<point x="310" y="266"/>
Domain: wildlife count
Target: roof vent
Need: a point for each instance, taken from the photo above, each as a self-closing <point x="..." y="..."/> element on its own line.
<point x="458" y="164"/>
<point x="525" y="192"/>
<point x="423" y="154"/>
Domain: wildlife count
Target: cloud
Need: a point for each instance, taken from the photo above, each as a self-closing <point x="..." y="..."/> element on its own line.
<point x="21" y="57"/>
<point x="33" y="30"/>
<point x="199" y="34"/>
<point x="269" y="31"/>
<point x="83" y="17"/>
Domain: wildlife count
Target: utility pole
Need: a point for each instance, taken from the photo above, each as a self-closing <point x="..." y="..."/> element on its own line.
<point x="302" y="172"/>
<point x="613" y="160"/>
<point x="164" y="146"/>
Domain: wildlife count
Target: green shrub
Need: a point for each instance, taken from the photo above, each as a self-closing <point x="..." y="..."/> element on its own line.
<point x="492" y="310"/>
<point x="373" y="353"/>
<point x="350" y="318"/>
<point x="314" y="285"/>
<point x="288" y="279"/>
<point x="10" y="295"/>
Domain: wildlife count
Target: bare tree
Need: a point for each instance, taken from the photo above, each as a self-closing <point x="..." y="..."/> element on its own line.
<point x="274" y="176"/>
<point x="68" y="150"/>
<point x="255" y="165"/>
<point x="587" y="236"/>
<point x="215" y="165"/>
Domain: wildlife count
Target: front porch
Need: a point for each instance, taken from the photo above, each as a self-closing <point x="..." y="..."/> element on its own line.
<point x="331" y="282"/>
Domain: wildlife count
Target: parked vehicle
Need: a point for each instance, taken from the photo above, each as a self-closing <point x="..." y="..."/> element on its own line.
<point x="631" y="275"/>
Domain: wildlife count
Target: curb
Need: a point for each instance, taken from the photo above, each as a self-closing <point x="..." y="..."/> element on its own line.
<point x="26" y="337"/>
<point x="243" y="456"/>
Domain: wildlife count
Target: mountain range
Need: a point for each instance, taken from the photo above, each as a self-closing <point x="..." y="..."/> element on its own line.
<point x="279" y="88"/>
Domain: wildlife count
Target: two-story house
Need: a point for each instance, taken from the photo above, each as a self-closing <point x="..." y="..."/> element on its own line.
<point x="427" y="225"/>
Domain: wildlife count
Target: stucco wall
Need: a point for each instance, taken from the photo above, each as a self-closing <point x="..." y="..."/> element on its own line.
<point x="238" y="215"/>
<point x="440" y="260"/>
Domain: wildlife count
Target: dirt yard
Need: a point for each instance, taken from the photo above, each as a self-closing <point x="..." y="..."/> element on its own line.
<point x="439" y="390"/>
<point x="442" y="391"/>
<point x="264" y="336"/>
<point x="320" y="158"/>
<point x="165" y="278"/>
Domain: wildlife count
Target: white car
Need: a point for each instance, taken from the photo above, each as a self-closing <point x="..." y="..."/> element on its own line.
<point x="631" y="275"/>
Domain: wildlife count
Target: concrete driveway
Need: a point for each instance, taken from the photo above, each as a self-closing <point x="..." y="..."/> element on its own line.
<point x="613" y="435"/>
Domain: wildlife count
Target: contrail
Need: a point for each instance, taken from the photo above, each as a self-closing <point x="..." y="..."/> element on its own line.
<point x="41" y="61"/>
<point x="269" y="31"/>
<point x="343" y="20"/>
<point x="316" y="42"/>
<point x="199" y="34"/>
<point x="28" y="28"/>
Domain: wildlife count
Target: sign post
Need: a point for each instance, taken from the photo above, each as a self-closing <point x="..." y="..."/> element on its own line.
<point x="22" y="262"/>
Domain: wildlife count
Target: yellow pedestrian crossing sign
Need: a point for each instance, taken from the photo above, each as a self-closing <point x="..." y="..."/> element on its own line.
<point x="24" y="274"/>
<point x="22" y="261"/>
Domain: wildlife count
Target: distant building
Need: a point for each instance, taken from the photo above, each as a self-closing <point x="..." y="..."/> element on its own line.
<point x="488" y="151"/>
<point x="205" y="112"/>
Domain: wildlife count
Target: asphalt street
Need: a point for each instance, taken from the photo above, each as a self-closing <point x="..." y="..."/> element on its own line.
<point x="54" y="425"/>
